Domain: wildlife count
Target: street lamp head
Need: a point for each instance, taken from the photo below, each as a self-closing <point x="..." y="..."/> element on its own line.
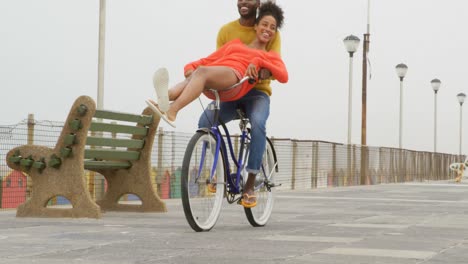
<point x="435" y="85"/>
<point x="461" y="98"/>
<point x="351" y="43"/>
<point x="401" y="70"/>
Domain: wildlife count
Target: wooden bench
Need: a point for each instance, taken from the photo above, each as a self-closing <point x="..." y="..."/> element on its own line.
<point x="86" y="143"/>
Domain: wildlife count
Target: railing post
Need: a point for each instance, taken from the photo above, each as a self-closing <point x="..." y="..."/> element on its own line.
<point x="423" y="168"/>
<point x="315" y="156"/>
<point x="403" y="165"/>
<point x="364" y="158"/>
<point x="440" y="165"/>
<point x="417" y="167"/>
<point x="349" y="165"/>
<point x="354" y="166"/>
<point x="433" y="173"/>
<point x="31" y="124"/>
<point x="294" y="158"/>
<point x="443" y="164"/>
<point x="313" y="169"/>
<point x="334" y="180"/>
<point x="412" y="166"/>
<point x="399" y="165"/>
<point x="159" y="169"/>
<point x="380" y="171"/>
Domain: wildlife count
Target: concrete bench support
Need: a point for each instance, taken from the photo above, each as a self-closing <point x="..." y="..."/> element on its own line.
<point x="59" y="171"/>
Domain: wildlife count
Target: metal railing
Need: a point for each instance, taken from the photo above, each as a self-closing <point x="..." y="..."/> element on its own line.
<point x="303" y="164"/>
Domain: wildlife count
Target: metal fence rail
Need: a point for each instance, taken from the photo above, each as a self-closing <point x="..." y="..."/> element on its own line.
<point x="303" y="164"/>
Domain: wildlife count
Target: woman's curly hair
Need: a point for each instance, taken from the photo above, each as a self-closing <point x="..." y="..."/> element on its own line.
<point x="271" y="9"/>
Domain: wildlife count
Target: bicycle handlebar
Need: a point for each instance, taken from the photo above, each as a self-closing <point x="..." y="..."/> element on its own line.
<point x="216" y="94"/>
<point x="241" y="81"/>
<point x="251" y="80"/>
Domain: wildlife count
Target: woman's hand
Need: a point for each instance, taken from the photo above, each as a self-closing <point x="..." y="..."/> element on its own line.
<point x="264" y="74"/>
<point x="252" y="71"/>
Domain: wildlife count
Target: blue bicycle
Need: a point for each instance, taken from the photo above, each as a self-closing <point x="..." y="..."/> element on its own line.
<point x="208" y="177"/>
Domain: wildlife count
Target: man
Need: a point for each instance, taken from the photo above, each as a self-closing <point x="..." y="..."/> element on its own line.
<point x="256" y="103"/>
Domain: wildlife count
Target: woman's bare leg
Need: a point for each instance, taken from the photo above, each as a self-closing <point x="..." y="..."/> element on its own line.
<point x="214" y="77"/>
<point x="174" y="92"/>
<point x="177" y="89"/>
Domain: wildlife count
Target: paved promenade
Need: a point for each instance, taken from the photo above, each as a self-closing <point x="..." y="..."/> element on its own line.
<point x="386" y="224"/>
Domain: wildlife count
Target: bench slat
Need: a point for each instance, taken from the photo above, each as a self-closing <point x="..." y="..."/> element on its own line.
<point x="115" y="142"/>
<point x="141" y="119"/>
<point x="115" y="128"/>
<point x="111" y="154"/>
<point x="93" y="164"/>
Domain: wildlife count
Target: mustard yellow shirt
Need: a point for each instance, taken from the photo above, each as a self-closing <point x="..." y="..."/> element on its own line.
<point x="234" y="30"/>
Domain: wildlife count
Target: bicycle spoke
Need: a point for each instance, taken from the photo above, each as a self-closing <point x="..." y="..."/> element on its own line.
<point x="200" y="168"/>
<point x="259" y="215"/>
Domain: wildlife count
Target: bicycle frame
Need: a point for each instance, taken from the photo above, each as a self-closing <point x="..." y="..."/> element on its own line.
<point x="233" y="180"/>
<point x="211" y="150"/>
<point x="234" y="185"/>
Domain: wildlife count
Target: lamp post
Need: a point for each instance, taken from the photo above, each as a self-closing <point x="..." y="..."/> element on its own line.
<point x="351" y="43"/>
<point x="100" y="79"/>
<point x="435" y="86"/>
<point x="365" y="51"/>
<point x="102" y="40"/>
<point x="401" y="70"/>
<point x="461" y="99"/>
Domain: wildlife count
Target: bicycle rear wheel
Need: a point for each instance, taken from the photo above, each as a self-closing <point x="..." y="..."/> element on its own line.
<point x="259" y="215"/>
<point x="200" y="168"/>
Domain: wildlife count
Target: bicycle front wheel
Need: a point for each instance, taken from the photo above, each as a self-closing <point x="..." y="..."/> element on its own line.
<point x="259" y="215"/>
<point x="203" y="182"/>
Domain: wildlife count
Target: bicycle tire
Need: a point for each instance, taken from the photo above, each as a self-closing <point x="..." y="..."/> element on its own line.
<point x="258" y="216"/>
<point x="201" y="206"/>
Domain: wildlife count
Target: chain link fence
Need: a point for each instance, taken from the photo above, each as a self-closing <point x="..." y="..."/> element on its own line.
<point x="303" y="164"/>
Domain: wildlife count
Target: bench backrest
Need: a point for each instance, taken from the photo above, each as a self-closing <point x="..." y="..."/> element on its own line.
<point x="89" y="137"/>
<point x="105" y="150"/>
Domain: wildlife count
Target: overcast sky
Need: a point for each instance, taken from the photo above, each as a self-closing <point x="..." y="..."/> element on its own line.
<point x="49" y="54"/>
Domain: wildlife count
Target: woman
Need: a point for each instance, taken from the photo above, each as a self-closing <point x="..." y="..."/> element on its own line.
<point x="225" y="67"/>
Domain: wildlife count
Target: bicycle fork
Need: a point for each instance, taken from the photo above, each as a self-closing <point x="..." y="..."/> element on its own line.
<point x="207" y="146"/>
<point x="269" y="184"/>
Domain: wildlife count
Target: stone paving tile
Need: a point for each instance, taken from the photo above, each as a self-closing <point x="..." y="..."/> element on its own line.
<point x="387" y="224"/>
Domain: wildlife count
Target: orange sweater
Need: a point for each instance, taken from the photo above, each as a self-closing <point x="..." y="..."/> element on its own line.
<point x="238" y="56"/>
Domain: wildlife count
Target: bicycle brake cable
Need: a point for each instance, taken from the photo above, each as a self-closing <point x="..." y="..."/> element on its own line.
<point x="204" y="111"/>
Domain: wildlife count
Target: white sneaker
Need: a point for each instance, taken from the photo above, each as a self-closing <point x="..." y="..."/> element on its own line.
<point x="161" y="86"/>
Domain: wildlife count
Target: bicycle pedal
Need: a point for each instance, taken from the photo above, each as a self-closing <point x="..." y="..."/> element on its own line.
<point x="272" y="184"/>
